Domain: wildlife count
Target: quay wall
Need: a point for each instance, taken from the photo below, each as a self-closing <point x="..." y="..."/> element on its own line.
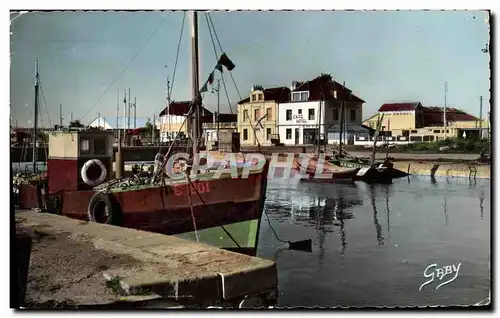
<point x="444" y="169"/>
<point x="147" y="153"/>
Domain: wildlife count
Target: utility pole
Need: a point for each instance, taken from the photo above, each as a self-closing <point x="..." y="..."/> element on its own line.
<point x="35" y="123"/>
<point x="60" y="116"/>
<point x="444" y="113"/>
<point x="71" y="117"/>
<point x="118" y="156"/>
<point x="153" y="129"/>
<point x="124" y="117"/>
<point x="129" y="105"/>
<point x="135" y="113"/>
<point x="480" y="117"/>
<point x="117" y="116"/>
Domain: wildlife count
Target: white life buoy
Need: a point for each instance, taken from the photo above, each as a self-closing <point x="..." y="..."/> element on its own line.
<point x="85" y="168"/>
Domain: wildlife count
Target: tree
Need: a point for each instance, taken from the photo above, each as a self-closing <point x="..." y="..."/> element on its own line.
<point x="76" y="124"/>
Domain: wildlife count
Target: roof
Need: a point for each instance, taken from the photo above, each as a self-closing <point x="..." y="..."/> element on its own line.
<point x="321" y="88"/>
<point x="279" y="94"/>
<point x="349" y="128"/>
<point x="398" y="107"/>
<point x="433" y="116"/>
<point x="223" y="118"/>
<point x="181" y="109"/>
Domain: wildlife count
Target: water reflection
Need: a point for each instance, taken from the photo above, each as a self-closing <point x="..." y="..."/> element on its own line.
<point x="481" y="202"/>
<point x="378" y="228"/>
<point x="320" y="207"/>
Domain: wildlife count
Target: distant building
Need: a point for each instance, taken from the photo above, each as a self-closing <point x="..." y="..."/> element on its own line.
<point x="414" y="122"/>
<point x="258" y="114"/>
<point x="110" y="123"/>
<point x="225" y="122"/>
<point x="314" y="106"/>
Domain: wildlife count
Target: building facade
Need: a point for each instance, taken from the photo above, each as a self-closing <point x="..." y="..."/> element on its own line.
<point x="413" y="122"/>
<point x="258" y="115"/>
<point x="315" y="109"/>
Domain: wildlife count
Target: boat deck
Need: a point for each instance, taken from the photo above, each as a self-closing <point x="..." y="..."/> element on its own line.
<point x="112" y="264"/>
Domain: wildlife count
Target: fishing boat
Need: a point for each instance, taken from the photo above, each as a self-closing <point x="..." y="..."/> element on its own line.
<point x="368" y="171"/>
<point x="220" y="207"/>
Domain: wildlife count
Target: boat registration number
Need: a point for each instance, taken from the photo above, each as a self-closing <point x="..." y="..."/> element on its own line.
<point x="182" y="189"/>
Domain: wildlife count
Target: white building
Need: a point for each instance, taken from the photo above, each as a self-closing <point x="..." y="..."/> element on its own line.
<point x="314" y="105"/>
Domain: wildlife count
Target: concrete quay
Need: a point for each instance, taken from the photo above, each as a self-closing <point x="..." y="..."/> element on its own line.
<point x="444" y="169"/>
<point x="102" y="266"/>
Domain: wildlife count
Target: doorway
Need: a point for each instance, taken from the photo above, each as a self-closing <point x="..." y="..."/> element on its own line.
<point x="297" y="135"/>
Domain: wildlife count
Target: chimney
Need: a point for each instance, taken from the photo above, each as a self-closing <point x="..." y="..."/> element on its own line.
<point x="294" y="85"/>
<point x="253" y="88"/>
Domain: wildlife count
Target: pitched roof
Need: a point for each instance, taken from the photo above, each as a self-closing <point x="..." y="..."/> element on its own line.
<point x="181" y="109"/>
<point x="322" y="88"/>
<point x="279" y="94"/>
<point x="433" y="116"/>
<point x="397" y="107"/>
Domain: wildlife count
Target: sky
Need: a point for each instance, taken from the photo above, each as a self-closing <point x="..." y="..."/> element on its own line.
<point x="87" y="58"/>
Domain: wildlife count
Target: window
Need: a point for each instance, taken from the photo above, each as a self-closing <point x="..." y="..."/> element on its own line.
<point x="288" y="114"/>
<point x="353" y="115"/>
<point x="336" y="115"/>
<point x="85" y="145"/>
<point x="245" y="134"/>
<point x="253" y="98"/>
<point x="245" y="114"/>
<point x="100" y="146"/>
<point x="269" y="114"/>
<point x="437" y="131"/>
<point x="414" y="131"/>
<point x="289" y="133"/>
<point x="256" y="114"/>
<point x="300" y="96"/>
<point x="268" y="133"/>
<point x="299" y="111"/>
<point x="311" y="113"/>
<point x="261" y="97"/>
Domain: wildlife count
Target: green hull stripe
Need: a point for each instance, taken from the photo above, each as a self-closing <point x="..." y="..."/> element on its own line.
<point x="245" y="233"/>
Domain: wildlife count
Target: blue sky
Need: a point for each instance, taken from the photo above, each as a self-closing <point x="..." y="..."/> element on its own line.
<point x="382" y="56"/>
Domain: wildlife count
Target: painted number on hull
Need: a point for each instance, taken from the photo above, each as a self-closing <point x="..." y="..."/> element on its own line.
<point x="202" y="187"/>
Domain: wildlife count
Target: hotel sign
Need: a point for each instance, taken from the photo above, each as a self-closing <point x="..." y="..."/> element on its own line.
<point x="299" y="119"/>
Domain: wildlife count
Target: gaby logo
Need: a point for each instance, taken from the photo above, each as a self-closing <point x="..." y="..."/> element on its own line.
<point x="433" y="271"/>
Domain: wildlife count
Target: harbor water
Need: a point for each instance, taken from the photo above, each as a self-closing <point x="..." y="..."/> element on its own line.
<point x="377" y="245"/>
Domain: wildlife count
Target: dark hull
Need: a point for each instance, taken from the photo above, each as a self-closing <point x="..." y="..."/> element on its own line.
<point x="227" y="215"/>
<point x="333" y="177"/>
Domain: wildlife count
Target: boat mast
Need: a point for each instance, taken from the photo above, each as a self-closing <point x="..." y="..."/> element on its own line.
<point x="195" y="81"/>
<point x="341" y="120"/>
<point x="35" y="122"/>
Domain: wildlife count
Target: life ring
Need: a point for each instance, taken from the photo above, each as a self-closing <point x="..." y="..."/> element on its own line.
<point x="93" y="164"/>
<point x="104" y="209"/>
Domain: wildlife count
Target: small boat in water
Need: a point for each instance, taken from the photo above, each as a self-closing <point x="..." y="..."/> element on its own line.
<point x="329" y="173"/>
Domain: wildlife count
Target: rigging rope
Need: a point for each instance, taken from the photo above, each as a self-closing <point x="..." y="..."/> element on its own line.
<point x="210" y="27"/>
<point x="169" y="92"/>
<point x="127" y="66"/>
<point x="220" y="45"/>
<point x="177" y="55"/>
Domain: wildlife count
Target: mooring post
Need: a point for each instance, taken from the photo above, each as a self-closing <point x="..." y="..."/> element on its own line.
<point x="23" y="247"/>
